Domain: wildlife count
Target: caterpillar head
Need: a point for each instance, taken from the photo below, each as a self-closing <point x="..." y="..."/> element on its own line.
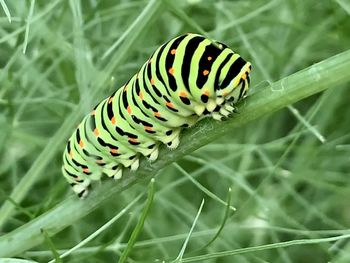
<point x="240" y="83"/>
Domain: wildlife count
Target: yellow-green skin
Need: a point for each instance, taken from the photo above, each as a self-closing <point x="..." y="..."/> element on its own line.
<point x="185" y="79"/>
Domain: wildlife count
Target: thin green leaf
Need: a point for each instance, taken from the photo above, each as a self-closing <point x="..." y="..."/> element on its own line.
<point x="6" y="10"/>
<point x="226" y="216"/>
<point x="217" y="255"/>
<point x="144" y="17"/>
<point x="184" y="246"/>
<point x="29" y="20"/>
<point x="137" y="230"/>
<point x="51" y="246"/>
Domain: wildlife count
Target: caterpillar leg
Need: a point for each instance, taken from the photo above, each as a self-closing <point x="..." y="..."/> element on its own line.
<point x="230" y="107"/>
<point x="81" y="188"/>
<point x="154" y="154"/>
<point x="211" y="105"/>
<point x="226" y="110"/>
<point x="174" y="140"/>
<point x="118" y="174"/>
<point x="135" y="165"/>
<point x="115" y="173"/>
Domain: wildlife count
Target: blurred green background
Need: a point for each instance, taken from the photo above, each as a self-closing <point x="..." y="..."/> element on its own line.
<point x="289" y="172"/>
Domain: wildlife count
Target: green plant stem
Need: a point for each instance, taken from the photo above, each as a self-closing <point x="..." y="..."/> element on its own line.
<point x="216" y="255"/>
<point x="330" y="73"/>
<point x="6" y="10"/>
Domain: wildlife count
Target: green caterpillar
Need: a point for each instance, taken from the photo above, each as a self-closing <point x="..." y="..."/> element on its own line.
<point x="185" y="79"/>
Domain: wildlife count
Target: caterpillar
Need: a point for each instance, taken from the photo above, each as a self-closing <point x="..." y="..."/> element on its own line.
<point x="184" y="80"/>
